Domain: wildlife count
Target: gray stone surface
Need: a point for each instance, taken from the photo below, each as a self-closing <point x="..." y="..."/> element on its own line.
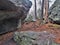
<point x="11" y="11"/>
<point x="54" y="12"/>
<point x="34" y="38"/>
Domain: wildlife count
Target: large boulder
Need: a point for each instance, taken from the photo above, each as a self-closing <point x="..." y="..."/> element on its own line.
<point x="11" y="11"/>
<point x="54" y="12"/>
<point x="34" y="38"/>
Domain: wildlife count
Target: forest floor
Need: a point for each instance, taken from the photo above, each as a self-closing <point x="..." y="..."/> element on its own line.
<point x="6" y="39"/>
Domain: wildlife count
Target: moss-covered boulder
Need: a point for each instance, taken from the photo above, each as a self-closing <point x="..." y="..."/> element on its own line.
<point x="54" y="12"/>
<point x="34" y="38"/>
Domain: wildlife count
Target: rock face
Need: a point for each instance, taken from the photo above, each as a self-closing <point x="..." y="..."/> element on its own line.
<point x="54" y="12"/>
<point x="34" y="38"/>
<point x="11" y="11"/>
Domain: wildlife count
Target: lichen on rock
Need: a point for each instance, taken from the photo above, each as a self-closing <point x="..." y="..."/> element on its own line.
<point x="54" y="12"/>
<point x="34" y="38"/>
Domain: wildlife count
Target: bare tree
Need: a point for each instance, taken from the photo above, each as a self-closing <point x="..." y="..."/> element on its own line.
<point x="35" y="9"/>
<point x="46" y="10"/>
<point x="42" y="11"/>
<point x="45" y="6"/>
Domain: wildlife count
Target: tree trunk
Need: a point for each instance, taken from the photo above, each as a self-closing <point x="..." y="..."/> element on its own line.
<point x="46" y="10"/>
<point x="42" y="11"/>
<point x="35" y="9"/>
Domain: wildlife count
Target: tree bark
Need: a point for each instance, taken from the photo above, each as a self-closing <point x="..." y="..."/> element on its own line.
<point x="42" y="11"/>
<point x="46" y="10"/>
<point x="35" y="9"/>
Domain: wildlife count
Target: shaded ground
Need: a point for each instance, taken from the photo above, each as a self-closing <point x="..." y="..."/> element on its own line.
<point x="6" y="39"/>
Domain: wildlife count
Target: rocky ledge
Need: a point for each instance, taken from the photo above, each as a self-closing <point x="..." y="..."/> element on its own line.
<point x="11" y="11"/>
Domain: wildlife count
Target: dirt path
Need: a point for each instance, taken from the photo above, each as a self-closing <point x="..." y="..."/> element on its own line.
<point x="52" y="28"/>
